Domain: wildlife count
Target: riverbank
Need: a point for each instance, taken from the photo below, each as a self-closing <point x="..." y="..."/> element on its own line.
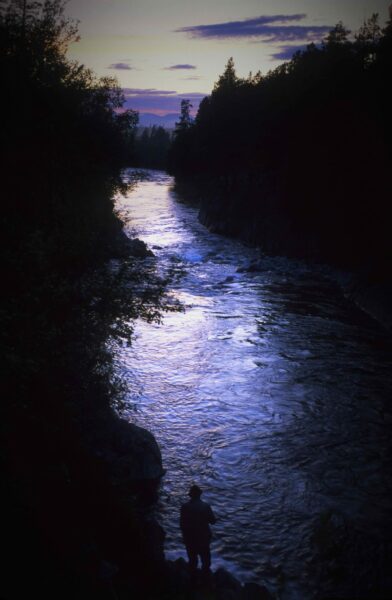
<point x="225" y="208"/>
<point x="77" y="479"/>
<point x="74" y="502"/>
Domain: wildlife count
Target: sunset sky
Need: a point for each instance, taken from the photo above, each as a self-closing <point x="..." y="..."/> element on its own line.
<point x="165" y="50"/>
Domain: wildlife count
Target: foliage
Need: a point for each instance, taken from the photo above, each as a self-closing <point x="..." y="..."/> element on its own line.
<point x="310" y="141"/>
<point x="63" y="134"/>
<point x="185" y="116"/>
<point x="228" y="80"/>
<point x="151" y="147"/>
<point x="63" y="146"/>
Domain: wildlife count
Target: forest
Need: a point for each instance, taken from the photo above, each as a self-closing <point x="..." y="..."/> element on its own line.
<point x="298" y="160"/>
<point x="64" y="143"/>
<point x="151" y="147"/>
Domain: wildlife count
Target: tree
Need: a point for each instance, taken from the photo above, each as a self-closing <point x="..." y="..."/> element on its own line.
<point x="228" y="80"/>
<point x="70" y="139"/>
<point x="185" y="116"/>
<point x="295" y="120"/>
<point x="368" y="39"/>
<point x="370" y="32"/>
<point x="152" y="147"/>
<point x="338" y="36"/>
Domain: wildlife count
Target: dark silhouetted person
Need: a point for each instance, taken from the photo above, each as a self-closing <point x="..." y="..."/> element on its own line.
<point x="196" y="517"/>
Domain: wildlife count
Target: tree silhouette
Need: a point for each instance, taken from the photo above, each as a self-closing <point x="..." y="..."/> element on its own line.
<point x="338" y="35"/>
<point x="151" y="148"/>
<point x="228" y="80"/>
<point x="368" y="39"/>
<point x="314" y="134"/>
<point x="185" y="116"/>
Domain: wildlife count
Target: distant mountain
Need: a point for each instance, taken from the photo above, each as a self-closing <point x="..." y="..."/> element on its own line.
<point x="149" y="119"/>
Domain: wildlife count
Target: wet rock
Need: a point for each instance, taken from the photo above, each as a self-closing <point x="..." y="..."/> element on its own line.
<point x="221" y="585"/>
<point x="375" y="300"/>
<point x="135" y="461"/>
<point x="178" y="576"/>
<point x="123" y="247"/>
<point x="330" y="533"/>
<point x="253" y="591"/>
<point x="224" y="580"/>
<point x="131" y="454"/>
<point x="138" y="454"/>
<point x="155" y="536"/>
<point x="252" y="267"/>
<point x="226" y="594"/>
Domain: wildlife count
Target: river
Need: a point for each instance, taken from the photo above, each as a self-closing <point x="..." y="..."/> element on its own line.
<point x="272" y="392"/>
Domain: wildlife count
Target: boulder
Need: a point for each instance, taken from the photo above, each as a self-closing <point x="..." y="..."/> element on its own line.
<point x="178" y="579"/>
<point x="252" y="267"/>
<point x="226" y="594"/>
<point x="253" y="591"/>
<point x="226" y="581"/>
<point x="123" y="247"/>
<point x="138" y="456"/>
<point x="138" y="249"/>
<point x="131" y="454"/>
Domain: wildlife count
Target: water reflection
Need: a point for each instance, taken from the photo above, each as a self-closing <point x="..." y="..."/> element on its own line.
<point x="270" y="391"/>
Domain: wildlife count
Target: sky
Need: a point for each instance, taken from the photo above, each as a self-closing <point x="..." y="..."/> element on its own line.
<point x="164" y="50"/>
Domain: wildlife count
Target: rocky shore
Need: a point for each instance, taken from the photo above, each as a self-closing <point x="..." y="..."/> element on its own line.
<point x="132" y="460"/>
<point x="373" y="297"/>
<point x="222" y="585"/>
<point x="81" y="517"/>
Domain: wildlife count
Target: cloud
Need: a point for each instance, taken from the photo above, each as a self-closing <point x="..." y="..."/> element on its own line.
<point x="194" y="78"/>
<point x="286" y="52"/>
<point x="272" y="28"/>
<point x="159" y="102"/>
<point x="129" y="92"/>
<point x="179" y="67"/>
<point x="120" y="66"/>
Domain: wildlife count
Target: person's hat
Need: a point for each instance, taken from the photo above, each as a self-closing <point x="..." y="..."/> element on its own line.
<point x="195" y="491"/>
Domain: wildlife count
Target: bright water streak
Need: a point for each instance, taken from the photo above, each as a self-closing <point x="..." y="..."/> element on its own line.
<point x="270" y="391"/>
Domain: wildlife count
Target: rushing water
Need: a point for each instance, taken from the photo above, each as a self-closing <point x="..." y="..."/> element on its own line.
<point x="272" y="392"/>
